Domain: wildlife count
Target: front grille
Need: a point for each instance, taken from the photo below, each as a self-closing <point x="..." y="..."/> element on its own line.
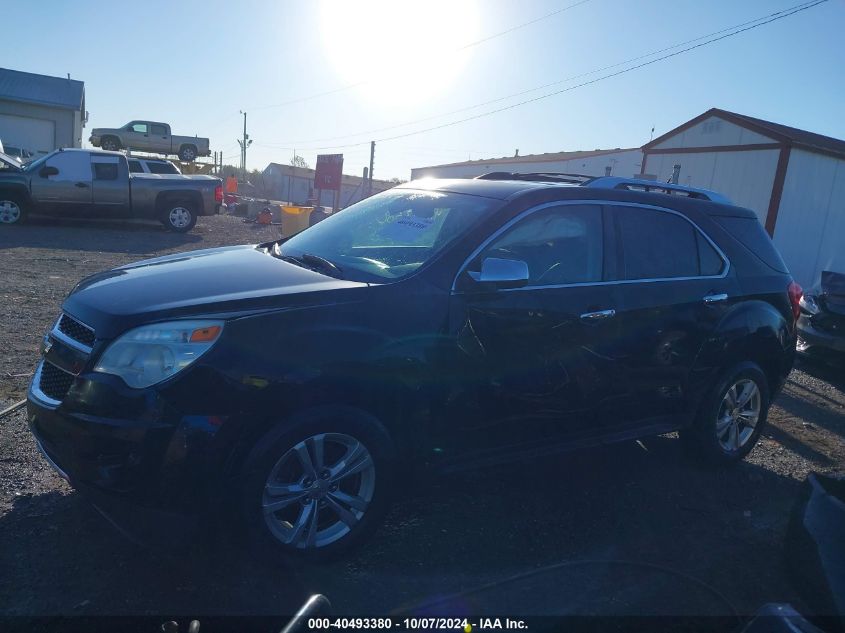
<point x="77" y="331"/>
<point x="54" y="382"/>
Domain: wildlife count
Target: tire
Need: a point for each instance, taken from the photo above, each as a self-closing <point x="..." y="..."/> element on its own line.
<point x="285" y="533"/>
<point x="12" y="210"/>
<point x="723" y="435"/>
<point x="110" y="143"/>
<point x="187" y="153"/>
<point x="179" y="216"/>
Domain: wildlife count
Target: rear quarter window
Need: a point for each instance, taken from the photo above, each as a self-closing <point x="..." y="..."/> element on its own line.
<point x="750" y="233"/>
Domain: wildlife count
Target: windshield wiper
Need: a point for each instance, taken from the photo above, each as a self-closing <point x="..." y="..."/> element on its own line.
<point x="322" y="262"/>
<point x="311" y="261"/>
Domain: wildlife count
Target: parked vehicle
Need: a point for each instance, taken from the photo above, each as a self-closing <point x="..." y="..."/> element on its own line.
<point x="150" y="136"/>
<point x="821" y="326"/>
<point x="443" y="324"/>
<point x="86" y="183"/>
<point x="23" y="156"/>
<point x="139" y="165"/>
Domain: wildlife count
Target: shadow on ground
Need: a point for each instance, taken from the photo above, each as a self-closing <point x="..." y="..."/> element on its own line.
<point x="697" y="541"/>
<point x="134" y="237"/>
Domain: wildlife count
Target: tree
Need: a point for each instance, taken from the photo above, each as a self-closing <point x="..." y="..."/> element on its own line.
<point x="298" y="161"/>
<point x="397" y="181"/>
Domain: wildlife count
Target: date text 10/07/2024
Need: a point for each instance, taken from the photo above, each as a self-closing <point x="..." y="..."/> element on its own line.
<point x="418" y="624"/>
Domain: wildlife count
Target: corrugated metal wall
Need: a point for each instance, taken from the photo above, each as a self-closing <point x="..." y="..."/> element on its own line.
<point x="810" y="229"/>
<point x="625" y="164"/>
<point x="745" y="177"/>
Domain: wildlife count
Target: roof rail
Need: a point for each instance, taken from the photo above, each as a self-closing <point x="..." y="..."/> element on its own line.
<point x="545" y="176"/>
<point x="615" y="182"/>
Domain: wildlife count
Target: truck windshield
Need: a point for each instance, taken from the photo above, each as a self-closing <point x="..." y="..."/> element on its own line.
<point x="389" y="235"/>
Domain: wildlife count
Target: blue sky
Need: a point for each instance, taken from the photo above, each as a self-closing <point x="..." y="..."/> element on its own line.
<point x="195" y="64"/>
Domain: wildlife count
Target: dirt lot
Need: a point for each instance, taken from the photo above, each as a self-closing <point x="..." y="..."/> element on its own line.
<point x="694" y="540"/>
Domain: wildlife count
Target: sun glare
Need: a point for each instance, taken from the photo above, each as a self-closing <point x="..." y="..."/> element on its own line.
<point x="402" y="49"/>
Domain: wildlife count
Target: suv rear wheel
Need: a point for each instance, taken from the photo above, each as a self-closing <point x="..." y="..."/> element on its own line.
<point x="314" y="491"/>
<point x="731" y="417"/>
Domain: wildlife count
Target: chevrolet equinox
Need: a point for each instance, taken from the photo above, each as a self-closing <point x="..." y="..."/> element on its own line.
<point x="441" y="324"/>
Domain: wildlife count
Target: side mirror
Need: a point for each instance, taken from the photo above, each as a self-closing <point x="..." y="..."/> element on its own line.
<point x="48" y="170"/>
<point x="501" y="273"/>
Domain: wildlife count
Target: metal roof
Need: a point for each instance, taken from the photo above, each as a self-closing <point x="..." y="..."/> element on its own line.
<point x="41" y="89"/>
<point x="782" y="133"/>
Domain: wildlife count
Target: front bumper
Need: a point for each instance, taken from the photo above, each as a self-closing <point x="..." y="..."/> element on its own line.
<point x="129" y="446"/>
<point x="811" y="336"/>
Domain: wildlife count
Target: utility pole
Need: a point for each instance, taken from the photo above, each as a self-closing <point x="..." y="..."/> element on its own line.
<point x="372" y="160"/>
<point x="246" y="142"/>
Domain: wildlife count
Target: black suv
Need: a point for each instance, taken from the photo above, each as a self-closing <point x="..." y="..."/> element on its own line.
<point x="443" y="323"/>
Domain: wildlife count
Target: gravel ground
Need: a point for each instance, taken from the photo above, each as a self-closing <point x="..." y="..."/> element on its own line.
<point x="695" y="540"/>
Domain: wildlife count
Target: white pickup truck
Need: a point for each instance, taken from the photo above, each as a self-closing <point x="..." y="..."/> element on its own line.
<point x="150" y="136"/>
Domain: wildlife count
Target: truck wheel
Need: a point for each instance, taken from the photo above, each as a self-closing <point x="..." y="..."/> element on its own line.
<point x="110" y="143"/>
<point x="179" y="216"/>
<point x="315" y="489"/>
<point x="187" y="153"/>
<point x="731" y="417"/>
<point x="12" y="210"/>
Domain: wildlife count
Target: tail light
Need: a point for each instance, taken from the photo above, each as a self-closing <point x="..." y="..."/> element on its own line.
<point x="795" y="293"/>
<point x="218" y="193"/>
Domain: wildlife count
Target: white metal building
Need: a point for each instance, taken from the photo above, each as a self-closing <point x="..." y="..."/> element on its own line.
<point x="600" y="162"/>
<point x="793" y="179"/>
<point x="39" y="113"/>
<point x="296" y="185"/>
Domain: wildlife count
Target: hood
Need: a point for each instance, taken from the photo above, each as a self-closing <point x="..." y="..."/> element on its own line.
<point x="229" y="280"/>
<point x="832" y="291"/>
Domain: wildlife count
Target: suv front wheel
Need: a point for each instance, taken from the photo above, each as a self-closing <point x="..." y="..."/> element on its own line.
<point x="731" y="417"/>
<point x="315" y="491"/>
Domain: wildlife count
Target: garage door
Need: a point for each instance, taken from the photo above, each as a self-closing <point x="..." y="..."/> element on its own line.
<point x="36" y="135"/>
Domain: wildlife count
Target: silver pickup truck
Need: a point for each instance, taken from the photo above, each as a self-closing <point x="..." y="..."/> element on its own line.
<point x="91" y="183"/>
<point x="150" y="136"/>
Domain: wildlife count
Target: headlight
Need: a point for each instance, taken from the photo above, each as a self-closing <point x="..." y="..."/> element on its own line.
<point x="808" y="304"/>
<point x="152" y="353"/>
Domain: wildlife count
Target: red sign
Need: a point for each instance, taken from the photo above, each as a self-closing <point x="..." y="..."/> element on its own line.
<point x="328" y="172"/>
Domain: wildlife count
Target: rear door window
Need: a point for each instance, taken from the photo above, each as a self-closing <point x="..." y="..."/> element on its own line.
<point x="158" y="130"/>
<point x="661" y="245"/>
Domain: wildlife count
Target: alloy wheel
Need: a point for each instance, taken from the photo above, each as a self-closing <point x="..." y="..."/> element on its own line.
<point x="180" y="217"/>
<point x="738" y="415"/>
<point x="319" y="490"/>
<point x="10" y="212"/>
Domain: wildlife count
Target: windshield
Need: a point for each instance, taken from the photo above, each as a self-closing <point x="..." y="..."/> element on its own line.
<point x="390" y="235"/>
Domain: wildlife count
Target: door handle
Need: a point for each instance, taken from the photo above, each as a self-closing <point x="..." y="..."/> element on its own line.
<point x="81" y="185"/>
<point x="716" y="298"/>
<point x="592" y="317"/>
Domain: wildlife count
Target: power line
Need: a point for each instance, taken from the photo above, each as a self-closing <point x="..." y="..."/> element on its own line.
<point x="456" y="50"/>
<point x="766" y="20"/>
<point x="367" y="133"/>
